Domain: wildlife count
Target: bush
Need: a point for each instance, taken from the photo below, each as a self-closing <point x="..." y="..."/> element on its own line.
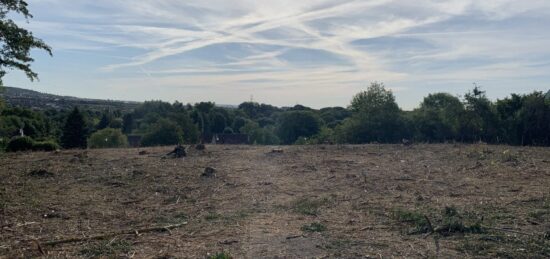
<point x="108" y="138"/>
<point x="20" y="144"/>
<point x="28" y="144"/>
<point x="45" y="146"/>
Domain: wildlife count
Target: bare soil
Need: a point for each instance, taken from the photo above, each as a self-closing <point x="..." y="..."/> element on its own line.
<point x="368" y="201"/>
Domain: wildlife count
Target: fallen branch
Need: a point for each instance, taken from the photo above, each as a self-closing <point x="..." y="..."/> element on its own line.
<point x="114" y="234"/>
<point x="294" y="237"/>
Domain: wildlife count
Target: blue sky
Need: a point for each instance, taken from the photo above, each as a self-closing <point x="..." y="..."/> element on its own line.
<point x="313" y="52"/>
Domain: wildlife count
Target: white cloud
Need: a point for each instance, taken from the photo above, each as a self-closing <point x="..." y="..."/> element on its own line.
<point x="159" y="40"/>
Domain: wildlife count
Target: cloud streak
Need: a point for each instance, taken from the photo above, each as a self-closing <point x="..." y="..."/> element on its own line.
<point x="299" y="46"/>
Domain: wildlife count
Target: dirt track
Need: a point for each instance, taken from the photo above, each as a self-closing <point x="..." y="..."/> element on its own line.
<point x="260" y="203"/>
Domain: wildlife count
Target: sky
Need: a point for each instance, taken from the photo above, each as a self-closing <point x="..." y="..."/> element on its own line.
<point x="318" y="53"/>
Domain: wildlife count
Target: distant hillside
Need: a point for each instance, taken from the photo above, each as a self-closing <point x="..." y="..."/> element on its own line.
<point x="41" y="101"/>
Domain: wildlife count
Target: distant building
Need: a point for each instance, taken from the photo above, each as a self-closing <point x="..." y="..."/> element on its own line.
<point x="134" y="140"/>
<point x="230" y="139"/>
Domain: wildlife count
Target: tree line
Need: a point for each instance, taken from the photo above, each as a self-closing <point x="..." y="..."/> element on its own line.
<point x="373" y="116"/>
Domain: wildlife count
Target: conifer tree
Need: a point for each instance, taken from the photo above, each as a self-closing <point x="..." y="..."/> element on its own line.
<point x="74" y="133"/>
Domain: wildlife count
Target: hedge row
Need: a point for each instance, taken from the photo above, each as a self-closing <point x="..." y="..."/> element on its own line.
<point x="28" y="144"/>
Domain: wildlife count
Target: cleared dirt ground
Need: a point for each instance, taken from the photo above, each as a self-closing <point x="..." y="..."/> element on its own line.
<point x="372" y="201"/>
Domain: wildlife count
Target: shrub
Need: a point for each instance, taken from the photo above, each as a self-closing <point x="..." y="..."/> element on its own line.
<point x="45" y="146"/>
<point x="108" y="138"/>
<point x="20" y="144"/>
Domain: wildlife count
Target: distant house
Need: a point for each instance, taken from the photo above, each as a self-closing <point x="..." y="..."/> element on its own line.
<point x="230" y="139"/>
<point x="134" y="140"/>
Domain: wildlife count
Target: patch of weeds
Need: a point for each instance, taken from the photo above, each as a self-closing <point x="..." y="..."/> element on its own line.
<point x="505" y="246"/>
<point x="222" y="255"/>
<point x="509" y="157"/>
<point x="314" y="227"/>
<point x="213" y="216"/>
<point x="239" y="215"/>
<point x="308" y="206"/>
<point x="453" y="222"/>
<point x="106" y="248"/>
<point x="416" y="219"/>
<point x="539" y="214"/>
<point x="448" y="223"/>
<point x="478" y="154"/>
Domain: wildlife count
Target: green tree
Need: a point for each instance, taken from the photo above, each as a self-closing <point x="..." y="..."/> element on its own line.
<point x="479" y="122"/>
<point x="534" y="120"/>
<point x="74" y="133"/>
<point x="238" y="123"/>
<point x="218" y="123"/>
<point x="438" y="118"/>
<point x="17" y="42"/>
<point x="333" y="116"/>
<point x="295" y="124"/>
<point x="375" y="117"/>
<point x="108" y="138"/>
<point x="104" y="122"/>
<point x="258" y="135"/>
<point x="128" y="123"/>
<point x="163" y="133"/>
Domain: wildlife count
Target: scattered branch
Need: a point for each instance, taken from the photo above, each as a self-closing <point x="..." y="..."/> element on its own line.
<point x="114" y="234"/>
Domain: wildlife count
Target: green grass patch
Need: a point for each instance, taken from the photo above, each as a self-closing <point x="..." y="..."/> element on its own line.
<point x="449" y="222"/>
<point x="310" y="207"/>
<point x="416" y="219"/>
<point x="213" y="216"/>
<point x="314" y="227"/>
<point x="540" y="215"/>
<point x="505" y="246"/>
<point x="239" y="215"/>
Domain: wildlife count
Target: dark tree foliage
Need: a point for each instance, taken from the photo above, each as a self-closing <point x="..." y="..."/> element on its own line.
<point x="255" y="110"/>
<point x="525" y="120"/>
<point x="299" y="107"/>
<point x="333" y="116"/>
<point x="74" y="132"/>
<point x="479" y="122"/>
<point x="238" y="123"/>
<point x="163" y="133"/>
<point x="104" y="122"/>
<point x="376" y="118"/>
<point x="16" y="42"/>
<point x="218" y="123"/>
<point x="438" y="118"/>
<point x="149" y="113"/>
<point x="34" y="124"/>
<point x="296" y="124"/>
<point x="127" y="123"/>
